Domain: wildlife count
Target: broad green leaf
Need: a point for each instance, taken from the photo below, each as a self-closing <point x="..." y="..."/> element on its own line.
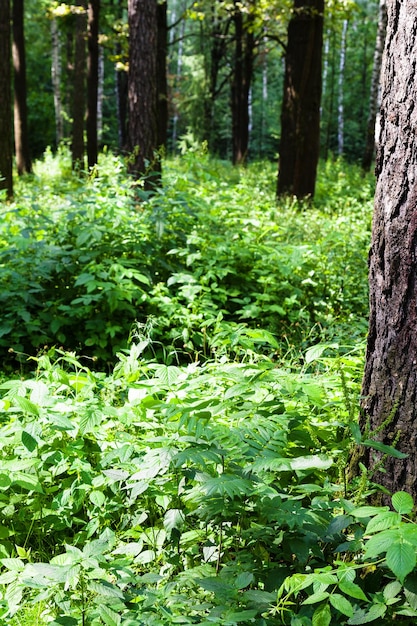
<point x="315" y="352"/>
<point x="105" y="589"/>
<point x="341" y="604"/>
<point x="383" y="521"/>
<point x="402" y="502"/>
<point x="240" y="616"/>
<point x="382" y="447"/>
<point x="310" y="462"/>
<point x="322" y="616"/>
<point x="392" y="589"/>
<point x="378" y="544"/>
<point x="243" y="580"/>
<point x="28" y="441"/>
<point x="97" y="497"/>
<point x="368" y="511"/>
<point x="26" y="405"/>
<point x="5" y="481"/>
<point x="28" y="481"/>
<point x="90" y="421"/>
<point x="109" y="617"/>
<point x="174" y="518"/>
<point x="401" y="559"/>
<point x="352" y="589"/>
<point x="365" y="616"/>
<point x="317" y="597"/>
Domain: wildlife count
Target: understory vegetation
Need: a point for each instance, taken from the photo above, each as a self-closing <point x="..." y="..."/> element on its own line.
<point x="179" y="404"/>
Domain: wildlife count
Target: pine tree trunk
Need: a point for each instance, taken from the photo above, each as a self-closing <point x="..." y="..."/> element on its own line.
<point x="6" y="150"/>
<point x="21" y="139"/>
<point x="162" y="76"/>
<point x="78" y="94"/>
<point x="340" y="104"/>
<point x="143" y="92"/>
<point x="56" y="71"/>
<point x="390" y="378"/>
<point x="375" y="82"/>
<point x="241" y="82"/>
<point x="300" y="118"/>
<point x="92" y="82"/>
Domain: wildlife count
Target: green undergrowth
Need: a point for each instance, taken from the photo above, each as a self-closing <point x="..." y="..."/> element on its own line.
<point x="208" y="493"/>
<point x="211" y="254"/>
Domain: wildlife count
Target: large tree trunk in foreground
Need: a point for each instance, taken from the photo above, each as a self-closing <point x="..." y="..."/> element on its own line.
<point x="143" y="92"/>
<point x="21" y="140"/>
<point x="6" y="150"/>
<point x="300" y="118"/>
<point x="390" y="380"/>
<point x="375" y="82"/>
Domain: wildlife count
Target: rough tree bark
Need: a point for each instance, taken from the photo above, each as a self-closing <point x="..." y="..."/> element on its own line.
<point x="143" y="92"/>
<point x="390" y="378"/>
<point x="300" y="117"/>
<point x="368" y="154"/>
<point x="92" y="82"/>
<point x="78" y="97"/>
<point x="241" y="83"/>
<point x="21" y="138"/>
<point x="56" y="72"/>
<point x="6" y="149"/>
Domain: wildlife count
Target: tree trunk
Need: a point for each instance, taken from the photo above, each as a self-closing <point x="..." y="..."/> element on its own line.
<point x="375" y="81"/>
<point x="92" y="82"/>
<point x="241" y="83"/>
<point x="390" y="378"/>
<point x="56" y="71"/>
<point x="300" y="118"/>
<point x="341" y="104"/>
<point x="78" y="95"/>
<point x="142" y="91"/>
<point x="162" y="75"/>
<point x="21" y="140"/>
<point x="6" y="150"/>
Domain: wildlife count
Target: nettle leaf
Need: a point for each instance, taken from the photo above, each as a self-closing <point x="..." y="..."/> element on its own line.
<point x="383" y="521"/>
<point x="401" y="559"/>
<point x="322" y="616"/>
<point x="109" y="617"/>
<point x="402" y="502"/>
<point x="26" y="405"/>
<point x="341" y="604"/>
<point x="378" y="544"/>
<point x="352" y="589"/>
<point x="174" y="518"/>
<point x="90" y="421"/>
<point x="244" y="579"/>
<point x="28" y="441"/>
<point x="392" y="590"/>
<point x="364" y="616"/>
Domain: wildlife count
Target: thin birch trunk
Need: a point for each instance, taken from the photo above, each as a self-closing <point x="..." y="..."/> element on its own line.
<point x="56" y="74"/>
<point x="340" y="106"/>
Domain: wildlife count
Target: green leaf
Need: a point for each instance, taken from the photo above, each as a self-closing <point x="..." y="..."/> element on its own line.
<point x="378" y="544"/>
<point x="109" y="617"/>
<point x="352" y="589"/>
<point x="27" y="481"/>
<point x="322" y="616"/>
<point x="28" y="441"/>
<point x="5" y="481"/>
<point x="341" y="604"/>
<point x="368" y="511"/>
<point x="317" y="597"/>
<point x="382" y="447"/>
<point x="90" y="421"/>
<point x="363" y="616"/>
<point x="243" y="580"/>
<point x="392" y="590"/>
<point x="313" y="461"/>
<point x="401" y="559"/>
<point x="26" y="405"/>
<point x="174" y="518"/>
<point x="97" y="497"/>
<point x="383" y="521"/>
<point x="402" y="502"/>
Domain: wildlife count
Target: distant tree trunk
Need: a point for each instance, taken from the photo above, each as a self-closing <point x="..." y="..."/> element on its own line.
<point x="177" y="81"/>
<point x="21" y="139"/>
<point x="56" y="71"/>
<point x="143" y="91"/>
<point x="162" y="75"/>
<point x="92" y="82"/>
<point x="100" y="94"/>
<point x="6" y="141"/>
<point x="241" y="83"/>
<point x="340" y="104"/>
<point x="300" y="118"/>
<point x="390" y="380"/>
<point x="78" y="95"/>
<point x="368" y="154"/>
